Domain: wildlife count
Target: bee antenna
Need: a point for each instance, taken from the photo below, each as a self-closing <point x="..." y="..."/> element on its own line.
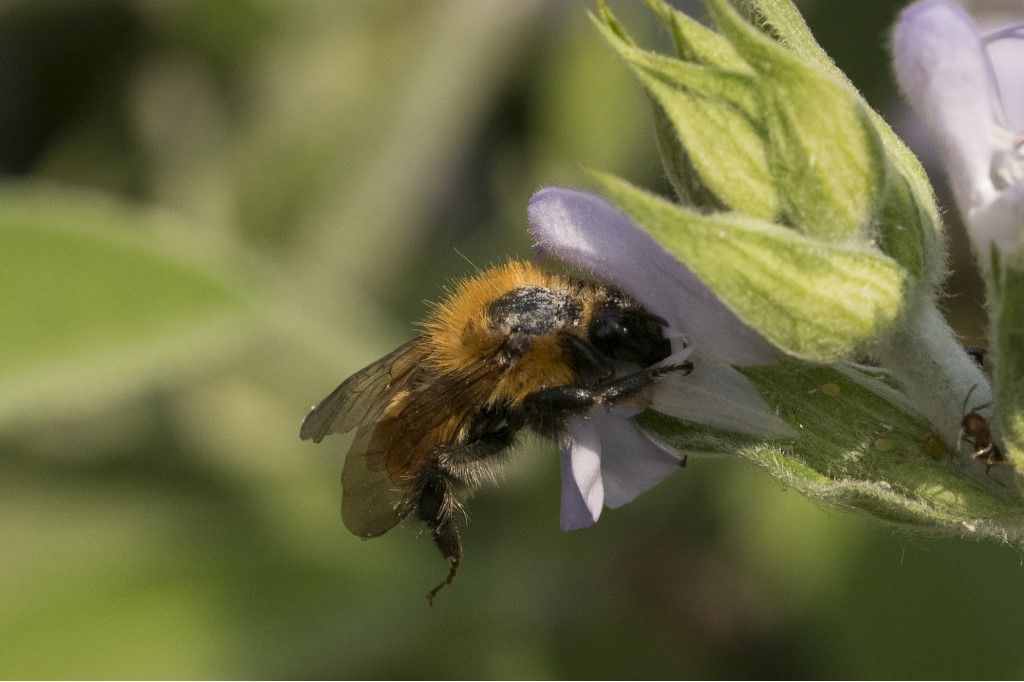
<point x="967" y="399"/>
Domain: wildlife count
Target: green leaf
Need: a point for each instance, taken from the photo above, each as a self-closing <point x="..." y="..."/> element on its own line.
<point x="815" y="301"/>
<point x="726" y="150"/>
<point x="697" y="43"/>
<point x="781" y="20"/>
<point x="909" y="226"/>
<point x="606" y="18"/>
<point x="714" y="129"/>
<point x="923" y="224"/>
<point x="831" y="183"/>
<point x="734" y="88"/>
<point x="856" y="449"/>
<point x="677" y="164"/>
<point x="696" y="439"/>
<point x="851" y="435"/>
<point x="904" y="232"/>
<point x="94" y="306"/>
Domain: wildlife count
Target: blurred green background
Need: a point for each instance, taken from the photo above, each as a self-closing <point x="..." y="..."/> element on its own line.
<point x="214" y="212"/>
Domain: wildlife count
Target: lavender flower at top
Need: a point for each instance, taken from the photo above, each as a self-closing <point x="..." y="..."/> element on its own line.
<point x="943" y="66"/>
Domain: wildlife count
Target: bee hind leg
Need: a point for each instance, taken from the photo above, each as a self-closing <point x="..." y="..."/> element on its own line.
<point x="436" y="507"/>
<point x="449" y="541"/>
<point x="438" y="504"/>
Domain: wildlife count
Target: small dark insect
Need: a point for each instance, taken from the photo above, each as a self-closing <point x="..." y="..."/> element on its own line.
<point x="975" y="431"/>
<point x="514" y="347"/>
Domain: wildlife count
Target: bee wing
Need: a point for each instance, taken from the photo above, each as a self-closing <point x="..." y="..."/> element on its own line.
<point x="380" y="474"/>
<point x="361" y="397"/>
<point x="371" y="503"/>
<point x="429" y="419"/>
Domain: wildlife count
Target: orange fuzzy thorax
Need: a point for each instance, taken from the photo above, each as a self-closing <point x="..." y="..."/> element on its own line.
<point x="458" y="332"/>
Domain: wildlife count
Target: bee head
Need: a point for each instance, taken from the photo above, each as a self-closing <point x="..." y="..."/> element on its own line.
<point x="621" y="329"/>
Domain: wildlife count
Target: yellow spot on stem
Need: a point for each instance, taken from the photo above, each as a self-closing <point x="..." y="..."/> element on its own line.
<point x="933" y="446"/>
<point x="831" y="390"/>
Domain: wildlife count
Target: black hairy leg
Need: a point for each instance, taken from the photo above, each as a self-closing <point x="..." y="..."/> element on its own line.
<point x="547" y="410"/>
<point x="467" y="462"/>
<point x="436" y="505"/>
<point x="591" y="366"/>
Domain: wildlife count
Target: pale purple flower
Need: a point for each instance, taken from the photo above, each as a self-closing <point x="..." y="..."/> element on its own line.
<point x="606" y="459"/>
<point x="943" y="64"/>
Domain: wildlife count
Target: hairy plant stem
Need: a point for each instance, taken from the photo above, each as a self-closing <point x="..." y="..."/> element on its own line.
<point x="937" y="376"/>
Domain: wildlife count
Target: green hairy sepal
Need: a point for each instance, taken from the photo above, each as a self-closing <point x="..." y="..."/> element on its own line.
<point x="802" y="211"/>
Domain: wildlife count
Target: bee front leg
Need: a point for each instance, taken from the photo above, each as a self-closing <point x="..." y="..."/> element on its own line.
<point x="547" y="410"/>
<point x="588" y="361"/>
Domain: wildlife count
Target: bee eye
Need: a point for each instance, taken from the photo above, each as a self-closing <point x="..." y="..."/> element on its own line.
<point x="607" y="329"/>
<point x="641" y="340"/>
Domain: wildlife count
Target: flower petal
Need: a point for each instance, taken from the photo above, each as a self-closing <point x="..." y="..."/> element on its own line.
<point x="943" y="69"/>
<point x="717" y="395"/>
<point x="588" y="232"/>
<point x="631" y="461"/>
<point x="999" y="222"/>
<point x="585" y="462"/>
<point x="1006" y="50"/>
<point x="575" y="514"/>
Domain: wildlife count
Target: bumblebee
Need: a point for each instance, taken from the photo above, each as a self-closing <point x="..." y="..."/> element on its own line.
<point x="513" y="347"/>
